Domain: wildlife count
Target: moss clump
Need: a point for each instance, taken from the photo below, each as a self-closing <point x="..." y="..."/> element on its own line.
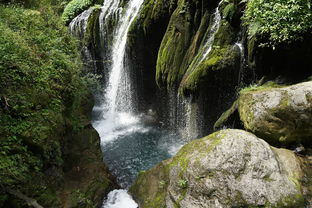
<point x="75" y="7"/>
<point x="265" y="86"/>
<point x="153" y="10"/>
<point x="218" y="59"/>
<point x="226" y="115"/>
<point x="229" y="11"/>
<point x="184" y="34"/>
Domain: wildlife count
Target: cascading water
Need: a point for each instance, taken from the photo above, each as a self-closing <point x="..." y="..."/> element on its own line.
<point x="242" y="64"/>
<point x="78" y="27"/>
<point x="117" y="107"/>
<point x="214" y="28"/>
<point x="208" y="40"/>
<point x="183" y="115"/>
<point x="129" y="144"/>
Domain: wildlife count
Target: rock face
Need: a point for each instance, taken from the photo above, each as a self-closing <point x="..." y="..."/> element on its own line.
<point x="230" y="168"/>
<point x="280" y="115"/>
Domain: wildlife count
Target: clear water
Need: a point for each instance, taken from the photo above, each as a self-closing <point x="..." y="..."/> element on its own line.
<point x="139" y="150"/>
<point x="130" y="146"/>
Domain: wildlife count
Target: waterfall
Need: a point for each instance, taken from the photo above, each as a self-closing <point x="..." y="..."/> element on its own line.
<point x="182" y="116"/>
<point x="114" y="115"/>
<point x="117" y="107"/>
<point x="78" y="27"/>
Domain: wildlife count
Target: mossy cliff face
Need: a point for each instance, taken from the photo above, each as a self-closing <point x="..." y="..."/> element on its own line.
<point x="48" y="149"/>
<point x="181" y="32"/>
<point x="279" y="115"/>
<point x="182" y="49"/>
<point x="230" y="168"/>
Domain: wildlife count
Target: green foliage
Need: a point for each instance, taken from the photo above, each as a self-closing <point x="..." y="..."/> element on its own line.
<point x="74" y="8"/>
<point x="40" y="86"/>
<point x="278" y="21"/>
<point x="256" y="87"/>
<point x="183" y="184"/>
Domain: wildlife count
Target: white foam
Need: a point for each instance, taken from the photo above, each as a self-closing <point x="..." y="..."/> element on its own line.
<point x="119" y="199"/>
<point x="117" y="124"/>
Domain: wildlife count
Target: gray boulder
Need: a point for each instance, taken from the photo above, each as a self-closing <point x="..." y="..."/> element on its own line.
<point x="230" y="168"/>
<point x="278" y="114"/>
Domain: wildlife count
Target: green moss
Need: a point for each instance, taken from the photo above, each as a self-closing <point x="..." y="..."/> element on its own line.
<point x="229" y="11"/>
<point x="218" y="59"/>
<point x="175" y="51"/>
<point x="266" y="86"/>
<point x="91" y="26"/>
<point x="225" y="116"/>
<point x="74" y="8"/>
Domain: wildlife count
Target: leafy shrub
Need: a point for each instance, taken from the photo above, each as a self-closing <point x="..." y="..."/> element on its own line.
<point x="74" y="8"/>
<point x="278" y="21"/>
<point x="40" y="88"/>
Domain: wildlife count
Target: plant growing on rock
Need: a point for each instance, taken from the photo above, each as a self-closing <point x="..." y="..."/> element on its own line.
<point x="183" y="184"/>
<point x="279" y="21"/>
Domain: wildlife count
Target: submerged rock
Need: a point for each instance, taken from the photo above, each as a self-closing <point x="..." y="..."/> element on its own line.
<point x="279" y="115"/>
<point x="230" y="168"/>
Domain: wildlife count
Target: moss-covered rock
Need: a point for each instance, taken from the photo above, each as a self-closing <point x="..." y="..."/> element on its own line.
<point x="226" y="59"/>
<point x="86" y="179"/>
<point x="225" y="117"/>
<point x="181" y="60"/>
<point x="278" y="114"/>
<point x="230" y="168"/>
<point x="183" y="37"/>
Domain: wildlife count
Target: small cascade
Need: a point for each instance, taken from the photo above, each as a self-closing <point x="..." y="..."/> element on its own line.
<point x="182" y="113"/>
<point x="108" y="18"/>
<point x="214" y="28"/>
<point x="208" y="40"/>
<point x="182" y="116"/>
<point x="109" y="8"/>
<point x="119" y="199"/>
<point x="78" y="27"/>
<point x="241" y="74"/>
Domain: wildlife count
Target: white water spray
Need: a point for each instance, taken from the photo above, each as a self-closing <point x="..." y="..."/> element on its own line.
<point x="117" y="112"/>
<point x="119" y="199"/>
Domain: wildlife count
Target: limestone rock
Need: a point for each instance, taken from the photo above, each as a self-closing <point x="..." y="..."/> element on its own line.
<point x="230" y="168"/>
<point x="279" y="115"/>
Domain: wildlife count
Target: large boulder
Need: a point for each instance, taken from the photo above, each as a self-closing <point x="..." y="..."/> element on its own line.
<point x="230" y="168"/>
<point x="278" y="114"/>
